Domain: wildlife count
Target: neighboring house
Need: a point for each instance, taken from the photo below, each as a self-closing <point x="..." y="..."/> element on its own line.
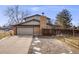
<point x="1" y="30"/>
<point x="33" y="25"/>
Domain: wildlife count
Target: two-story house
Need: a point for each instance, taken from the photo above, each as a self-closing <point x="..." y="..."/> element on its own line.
<point x="32" y="25"/>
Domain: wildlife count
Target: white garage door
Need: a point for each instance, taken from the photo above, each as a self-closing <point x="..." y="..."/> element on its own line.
<point x="24" y="31"/>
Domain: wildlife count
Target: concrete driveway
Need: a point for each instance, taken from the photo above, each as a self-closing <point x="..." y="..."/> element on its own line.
<point x="15" y="44"/>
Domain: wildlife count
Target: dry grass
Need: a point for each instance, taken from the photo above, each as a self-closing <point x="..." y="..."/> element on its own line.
<point x="60" y="38"/>
<point x="6" y="33"/>
<point x="74" y="41"/>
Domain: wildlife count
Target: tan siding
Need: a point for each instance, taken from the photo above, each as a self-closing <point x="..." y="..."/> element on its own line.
<point x="29" y="18"/>
<point x="37" y="30"/>
<point x="31" y="23"/>
<point x="49" y="26"/>
<point x="15" y="30"/>
<point x="34" y="17"/>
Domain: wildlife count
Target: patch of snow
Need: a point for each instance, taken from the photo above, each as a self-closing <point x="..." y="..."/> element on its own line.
<point x="36" y="38"/>
<point x="33" y="44"/>
<point x="63" y="53"/>
<point x="37" y="53"/>
<point x="35" y="48"/>
<point x="54" y="39"/>
<point x="36" y="41"/>
<point x="70" y="52"/>
<point x="65" y="38"/>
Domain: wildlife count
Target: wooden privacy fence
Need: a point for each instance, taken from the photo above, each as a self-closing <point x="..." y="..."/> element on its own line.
<point x="67" y="32"/>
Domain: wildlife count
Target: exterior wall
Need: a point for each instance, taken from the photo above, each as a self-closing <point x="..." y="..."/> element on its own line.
<point x="47" y="20"/>
<point x="34" y="17"/>
<point x="37" y="17"/>
<point x="48" y="27"/>
<point x="31" y="23"/>
<point x="15" y="30"/>
<point x="36" y="30"/>
<point x="27" y="19"/>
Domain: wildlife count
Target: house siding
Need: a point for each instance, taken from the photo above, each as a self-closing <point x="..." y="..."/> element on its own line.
<point x="31" y="23"/>
<point x="37" y="30"/>
<point x="15" y="30"/>
<point x="33" y="17"/>
<point x="48" y="26"/>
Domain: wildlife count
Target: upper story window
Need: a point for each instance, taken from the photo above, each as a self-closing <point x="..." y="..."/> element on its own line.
<point x="37" y="17"/>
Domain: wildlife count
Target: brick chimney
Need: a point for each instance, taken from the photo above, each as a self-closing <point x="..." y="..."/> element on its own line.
<point x="42" y="22"/>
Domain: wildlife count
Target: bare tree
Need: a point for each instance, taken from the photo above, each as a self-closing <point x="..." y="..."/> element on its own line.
<point x="15" y="15"/>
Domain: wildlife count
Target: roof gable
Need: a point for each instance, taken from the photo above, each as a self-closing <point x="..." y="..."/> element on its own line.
<point x="36" y="15"/>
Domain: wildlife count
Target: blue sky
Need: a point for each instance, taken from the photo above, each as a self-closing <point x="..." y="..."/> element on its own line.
<point x="49" y="10"/>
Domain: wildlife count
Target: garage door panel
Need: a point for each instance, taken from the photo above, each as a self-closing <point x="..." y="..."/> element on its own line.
<point x="23" y="31"/>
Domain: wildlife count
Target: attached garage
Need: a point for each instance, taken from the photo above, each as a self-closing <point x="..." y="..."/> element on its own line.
<point x="27" y="28"/>
<point x="24" y="30"/>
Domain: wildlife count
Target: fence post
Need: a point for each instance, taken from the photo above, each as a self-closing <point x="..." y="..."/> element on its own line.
<point x="73" y="32"/>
